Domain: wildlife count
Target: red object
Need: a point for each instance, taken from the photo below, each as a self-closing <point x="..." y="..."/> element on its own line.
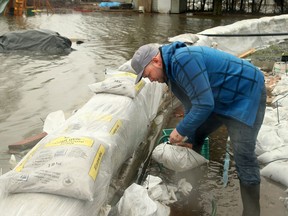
<point x="26" y="143"/>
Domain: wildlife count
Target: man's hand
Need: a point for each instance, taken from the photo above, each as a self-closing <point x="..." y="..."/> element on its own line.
<point x="175" y="137"/>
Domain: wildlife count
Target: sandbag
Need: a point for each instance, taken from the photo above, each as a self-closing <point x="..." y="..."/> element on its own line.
<point x="277" y="171"/>
<point x="177" y="158"/>
<point x="119" y="84"/>
<point x="267" y="139"/>
<point x="62" y="165"/>
<point x="186" y="38"/>
<point x="136" y="202"/>
<point x="276" y="154"/>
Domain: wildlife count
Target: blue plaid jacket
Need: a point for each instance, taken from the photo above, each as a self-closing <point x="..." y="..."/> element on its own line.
<point x="207" y="80"/>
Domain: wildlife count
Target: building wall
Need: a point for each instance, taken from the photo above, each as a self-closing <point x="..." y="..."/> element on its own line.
<point x="147" y="5"/>
<point x="164" y="6"/>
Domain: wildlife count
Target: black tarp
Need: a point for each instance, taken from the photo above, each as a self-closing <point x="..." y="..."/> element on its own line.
<point x="44" y="41"/>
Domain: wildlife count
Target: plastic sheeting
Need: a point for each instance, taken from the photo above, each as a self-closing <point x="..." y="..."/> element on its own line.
<point x="118" y="123"/>
<point x="239" y="45"/>
<point x="44" y="41"/>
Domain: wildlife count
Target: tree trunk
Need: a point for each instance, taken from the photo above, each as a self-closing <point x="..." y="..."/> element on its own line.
<point x="217" y="10"/>
<point x="242" y="5"/>
<point x="260" y="4"/>
<point x="232" y="5"/>
<point x="203" y="5"/>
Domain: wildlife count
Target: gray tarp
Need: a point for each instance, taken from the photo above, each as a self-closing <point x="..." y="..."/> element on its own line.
<point x="35" y="40"/>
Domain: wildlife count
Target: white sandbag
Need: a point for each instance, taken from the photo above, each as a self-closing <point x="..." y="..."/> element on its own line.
<point x="126" y="67"/>
<point x="28" y="204"/>
<point x="282" y="131"/>
<point x="276" y="115"/>
<point x="159" y="191"/>
<point x="277" y="171"/>
<point x="267" y="140"/>
<point x="177" y="158"/>
<point x="62" y="165"/>
<point x="203" y="41"/>
<point x="281" y="88"/>
<point x="136" y="202"/>
<point x="53" y="121"/>
<point x="279" y="153"/>
<point x="281" y="100"/>
<point x="270" y="117"/>
<point x="186" y="38"/>
<point x="119" y="84"/>
<point x="283" y="114"/>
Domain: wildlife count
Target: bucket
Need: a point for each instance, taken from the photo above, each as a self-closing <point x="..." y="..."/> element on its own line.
<point x="205" y="151"/>
<point x="165" y="135"/>
<point x="284" y="58"/>
<point x="167" y="131"/>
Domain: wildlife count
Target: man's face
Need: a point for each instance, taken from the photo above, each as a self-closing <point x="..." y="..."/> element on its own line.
<point x="154" y="72"/>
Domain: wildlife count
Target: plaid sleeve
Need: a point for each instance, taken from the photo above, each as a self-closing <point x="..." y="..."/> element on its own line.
<point x="191" y="74"/>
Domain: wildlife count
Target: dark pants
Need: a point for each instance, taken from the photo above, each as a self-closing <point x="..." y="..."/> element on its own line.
<point x="243" y="139"/>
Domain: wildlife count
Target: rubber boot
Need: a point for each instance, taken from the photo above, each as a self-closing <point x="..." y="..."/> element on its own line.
<point x="250" y="198"/>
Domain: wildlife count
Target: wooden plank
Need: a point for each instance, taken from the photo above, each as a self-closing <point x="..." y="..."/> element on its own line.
<point x="245" y="54"/>
<point x="26" y="143"/>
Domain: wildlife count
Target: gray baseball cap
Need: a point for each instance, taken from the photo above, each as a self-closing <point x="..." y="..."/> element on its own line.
<point x="142" y="57"/>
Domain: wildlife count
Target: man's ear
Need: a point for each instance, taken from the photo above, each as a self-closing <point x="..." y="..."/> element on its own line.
<point x="157" y="61"/>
